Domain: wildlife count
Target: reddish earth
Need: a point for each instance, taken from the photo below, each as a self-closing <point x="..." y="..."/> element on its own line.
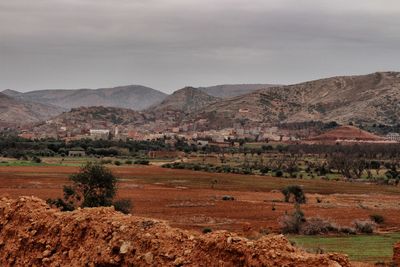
<point x="197" y="208"/>
<point x="347" y="132"/>
<point x="396" y="255"/>
<point x="32" y="234"/>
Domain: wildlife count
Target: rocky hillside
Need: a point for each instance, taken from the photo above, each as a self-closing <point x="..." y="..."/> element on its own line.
<point x="88" y="117"/>
<point x="232" y="90"/>
<point x="372" y="98"/>
<point x="186" y="100"/>
<point x="14" y="111"/>
<point x="133" y="97"/>
<point x="32" y="234"/>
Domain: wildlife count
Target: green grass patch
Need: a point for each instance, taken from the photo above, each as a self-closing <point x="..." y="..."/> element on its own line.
<point x="364" y="248"/>
<point x="21" y="163"/>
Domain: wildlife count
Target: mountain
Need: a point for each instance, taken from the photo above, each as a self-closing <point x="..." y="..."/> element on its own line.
<point x="13" y="111"/>
<point x="232" y="90"/>
<point x="135" y="97"/>
<point x="372" y="98"/>
<point x="11" y="93"/>
<point x="98" y="117"/>
<point x="186" y="100"/>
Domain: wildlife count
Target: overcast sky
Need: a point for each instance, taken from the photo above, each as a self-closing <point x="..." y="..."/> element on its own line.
<point x="167" y="44"/>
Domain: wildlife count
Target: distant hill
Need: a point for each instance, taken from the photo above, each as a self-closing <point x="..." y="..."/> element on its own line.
<point x="186" y="100"/>
<point x="232" y="90"/>
<point x="135" y="97"/>
<point x="13" y="111"/>
<point x="100" y="116"/>
<point x="346" y="133"/>
<point x="372" y="98"/>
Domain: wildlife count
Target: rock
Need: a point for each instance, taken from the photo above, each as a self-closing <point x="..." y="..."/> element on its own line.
<point x="179" y="261"/>
<point x="148" y="258"/>
<point x="125" y="247"/>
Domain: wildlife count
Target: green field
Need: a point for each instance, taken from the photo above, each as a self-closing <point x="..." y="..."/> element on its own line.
<point x="366" y="248"/>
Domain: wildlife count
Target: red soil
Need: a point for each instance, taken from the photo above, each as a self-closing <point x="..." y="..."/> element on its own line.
<point x="196" y="208"/>
<point x="32" y="234"/>
<point x="346" y="133"/>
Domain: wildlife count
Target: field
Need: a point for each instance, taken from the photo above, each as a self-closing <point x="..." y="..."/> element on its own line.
<point x="193" y="200"/>
<point x="371" y="248"/>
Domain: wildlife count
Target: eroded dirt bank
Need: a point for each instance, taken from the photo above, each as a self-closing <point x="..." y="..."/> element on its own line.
<point x="32" y="234"/>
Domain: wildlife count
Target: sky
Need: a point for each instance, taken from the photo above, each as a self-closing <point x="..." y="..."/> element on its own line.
<point x="169" y="44"/>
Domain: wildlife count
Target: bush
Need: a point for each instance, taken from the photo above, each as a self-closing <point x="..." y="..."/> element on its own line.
<point x="279" y="173"/>
<point x="364" y="226"/>
<point x="296" y="191"/>
<point x="142" y="162"/>
<point x="206" y="230"/>
<point x="347" y="230"/>
<point x="128" y="162"/>
<point x="117" y="163"/>
<point x="36" y="160"/>
<point x="105" y="161"/>
<point x="291" y="223"/>
<point x="228" y="197"/>
<point x="318" y="226"/>
<point x="379" y="219"/>
<point x="123" y="205"/>
<point x="93" y="186"/>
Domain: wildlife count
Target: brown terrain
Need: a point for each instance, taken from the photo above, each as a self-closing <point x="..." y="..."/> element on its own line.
<point x="365" y="99"/>
<point x="134" y="97"/>
<point x="14" y="111"/>
<point x="32" y="234"/>
<point x="396" y="255"/>
<point x="346" y="133"/>
<point x="369" y="98"/>
<point x="187" y="201"/>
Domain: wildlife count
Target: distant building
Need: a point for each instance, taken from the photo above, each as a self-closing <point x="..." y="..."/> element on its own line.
<point x="76" y="153"/>
<point x="98" y="134"/>
<point x="393" y="137"/>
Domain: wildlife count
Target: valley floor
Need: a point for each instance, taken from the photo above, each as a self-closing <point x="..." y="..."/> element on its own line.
<point x="189" y="200"/>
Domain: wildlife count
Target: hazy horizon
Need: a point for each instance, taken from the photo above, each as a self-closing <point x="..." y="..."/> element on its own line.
<point x="166" y="45"/>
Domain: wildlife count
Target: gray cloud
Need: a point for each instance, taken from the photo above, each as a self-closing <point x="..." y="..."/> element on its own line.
<point x="167" y="44"/>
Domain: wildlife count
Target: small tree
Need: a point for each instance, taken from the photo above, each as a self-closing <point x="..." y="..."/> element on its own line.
<point x="296" y="191"/>
<point x="93" y="186"/>
<point x="291" y="223"/>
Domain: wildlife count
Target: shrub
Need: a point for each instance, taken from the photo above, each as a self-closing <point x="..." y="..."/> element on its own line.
<point x="117" y="163"/>
<point x="296" y="191"/>
<point x="318" y="226"/>
<point x="61" y="204"/>
<point x="206" y="230"/>
<point x="347" y="230"/>
<point x="227" y="197"/>
<point x="93" y="186"/>
<point x="128" y="162"/>
<point x="123" y="205"/>
<point x="279" y="173"/>
<point x="291" y="223"/>
<point x="364" y="226"/>
<point x="105" y="161"/>
<point x="379" y="219"/>
<point x="36" y="160"/>
<point x="264" y="170"/>
<point x="142" y="162"/>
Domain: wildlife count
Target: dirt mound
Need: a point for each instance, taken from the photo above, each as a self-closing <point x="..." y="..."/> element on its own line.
<point x="396" y="254"/>
<point x="347" y="133"/>
<point x="31" y="233"/>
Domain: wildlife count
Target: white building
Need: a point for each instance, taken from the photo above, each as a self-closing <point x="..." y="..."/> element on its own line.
<point x="97" y="134"/>
<point x="393" y="137"/>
